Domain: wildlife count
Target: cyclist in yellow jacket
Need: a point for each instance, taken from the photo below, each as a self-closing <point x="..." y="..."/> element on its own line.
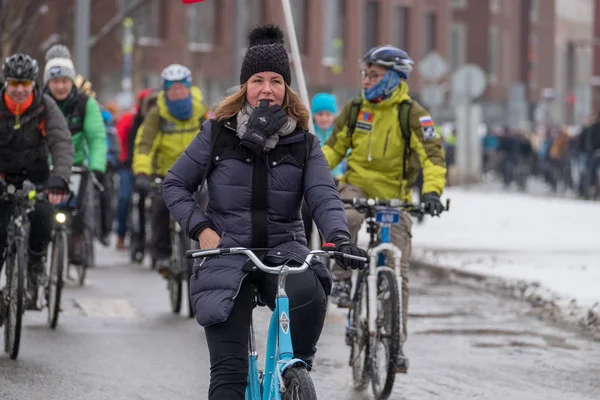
<point x="166" y="132"/>
<point x="385" y="158"/>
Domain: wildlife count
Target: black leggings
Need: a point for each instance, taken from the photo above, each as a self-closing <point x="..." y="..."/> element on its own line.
<point x="228" y="341"/>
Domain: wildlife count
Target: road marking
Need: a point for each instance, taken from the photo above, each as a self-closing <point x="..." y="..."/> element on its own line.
<point x="112" y="308"/>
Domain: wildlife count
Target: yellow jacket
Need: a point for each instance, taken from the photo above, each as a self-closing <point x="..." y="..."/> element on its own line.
<point x="376" y="161"/>
<point x="161" y="138"/>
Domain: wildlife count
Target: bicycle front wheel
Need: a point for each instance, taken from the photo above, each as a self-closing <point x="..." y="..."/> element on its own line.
<point x="175" y="284"/>
<point x="14" y="299"/>
<point x="298" y="385"/>
<point x="358" y="337"/>
<point x="57" y="267"/>
<point x="386" y="342"/>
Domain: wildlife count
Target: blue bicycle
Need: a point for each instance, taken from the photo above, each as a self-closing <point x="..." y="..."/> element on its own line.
<point x="284" y="377"/>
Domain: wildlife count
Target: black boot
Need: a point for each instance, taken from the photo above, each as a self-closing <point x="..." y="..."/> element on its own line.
<point x="401" y="362"/>
<point x="341" y="293"/>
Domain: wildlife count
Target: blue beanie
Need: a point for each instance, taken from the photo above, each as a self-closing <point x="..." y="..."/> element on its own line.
<point x="324" y="102"/>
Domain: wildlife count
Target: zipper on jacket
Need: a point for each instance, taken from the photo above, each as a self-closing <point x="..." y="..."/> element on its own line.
<point x="387" y="136"/>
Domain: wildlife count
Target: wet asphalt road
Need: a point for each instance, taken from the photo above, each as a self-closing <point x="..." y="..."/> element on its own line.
<point x="118" y="340"/>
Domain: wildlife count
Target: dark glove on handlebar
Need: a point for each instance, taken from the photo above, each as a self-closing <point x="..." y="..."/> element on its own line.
<point x="143" y="183"/>
<point x="264" y="122"/>
<point x="57" y="184"/>
<point x="344" y="244"/>
<point x="432" y="203"/>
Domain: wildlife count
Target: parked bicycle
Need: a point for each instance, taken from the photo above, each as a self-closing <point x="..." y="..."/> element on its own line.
<point x="373" y="331"/>
<point x="22" y="202"/>
<point x="284" y="377"/>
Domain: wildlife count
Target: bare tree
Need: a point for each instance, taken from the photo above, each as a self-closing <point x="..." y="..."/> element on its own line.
<point x="18" y="20"/>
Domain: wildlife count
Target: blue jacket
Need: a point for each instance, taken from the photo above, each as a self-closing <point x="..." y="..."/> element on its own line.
<point x="237" y="211"/>
<point x="323" y="135"/>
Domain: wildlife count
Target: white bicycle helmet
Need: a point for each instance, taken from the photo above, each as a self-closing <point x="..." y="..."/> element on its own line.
<point x="176" y="73"/>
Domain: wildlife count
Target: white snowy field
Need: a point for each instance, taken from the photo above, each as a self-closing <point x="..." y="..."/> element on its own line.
<point x="552" y="243"/>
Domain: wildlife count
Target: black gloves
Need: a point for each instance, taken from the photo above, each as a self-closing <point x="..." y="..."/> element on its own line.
<point x="57" y="184"/>
<point x="143" y="183"/>
<point x="343" y="244"/>
<point x="264" y="122"/>
<point x="432" y="203"/>
<point x="99" y="176"/>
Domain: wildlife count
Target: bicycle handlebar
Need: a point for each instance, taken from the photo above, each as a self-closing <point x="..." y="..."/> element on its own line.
<point x="263" y="267"/>
<point x="364" y="203"/>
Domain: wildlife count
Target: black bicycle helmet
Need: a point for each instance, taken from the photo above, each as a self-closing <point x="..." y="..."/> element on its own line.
<point x="390" y="57"/>
<point x="20" y="66"/>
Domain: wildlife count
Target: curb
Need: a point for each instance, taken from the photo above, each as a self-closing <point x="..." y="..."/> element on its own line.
<point x="546" y="304"/>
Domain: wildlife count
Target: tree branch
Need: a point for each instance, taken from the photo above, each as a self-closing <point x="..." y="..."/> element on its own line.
<point x="114" y="21"/>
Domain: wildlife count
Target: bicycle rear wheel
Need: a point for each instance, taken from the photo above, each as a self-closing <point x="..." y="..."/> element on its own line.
<point x="298" y="384"/>
<point x="175" y="284"/>
<point x="386" y="343"/>
<point x="359" y="337"/>
<point x="57" y="266"/>
<point x="15" y="299"/>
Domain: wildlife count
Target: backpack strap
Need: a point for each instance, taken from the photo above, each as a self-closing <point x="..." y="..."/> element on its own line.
<point x="355" y="106"/>
<point x="215" y="129"/>
<point x="404" y="109"/>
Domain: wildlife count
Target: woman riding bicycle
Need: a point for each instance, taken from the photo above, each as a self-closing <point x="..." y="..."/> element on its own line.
<point x="260" y="161"/>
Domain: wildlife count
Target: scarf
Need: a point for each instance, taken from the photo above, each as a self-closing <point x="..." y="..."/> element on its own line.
<point x="242" y="125"/>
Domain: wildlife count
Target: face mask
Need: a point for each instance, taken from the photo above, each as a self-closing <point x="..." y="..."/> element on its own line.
<point x="180" y="109"/>
<point x="385" y="87"/>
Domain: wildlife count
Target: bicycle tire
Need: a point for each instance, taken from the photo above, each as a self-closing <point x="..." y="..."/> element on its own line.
<point x="15" y="306"/>
<point x="55" y="284"/>
<point x="360" y="347"/>
<point x="175" y="284"/>
<point x="90" y="256"/>
<point x="383" y="388"/>
<point x="298" y="384"/>
<point x="190" y="265"/>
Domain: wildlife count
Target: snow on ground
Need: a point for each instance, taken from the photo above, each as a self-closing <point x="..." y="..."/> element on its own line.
<point x="551" y="244"/>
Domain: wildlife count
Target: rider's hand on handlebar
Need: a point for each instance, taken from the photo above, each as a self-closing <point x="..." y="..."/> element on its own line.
<point x="432" y="204"/>
<point x="344" y="244"/>
<point x="208" y="239"/>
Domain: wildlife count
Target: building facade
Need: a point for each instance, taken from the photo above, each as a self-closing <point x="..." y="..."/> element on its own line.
<point x="332" y="36"/>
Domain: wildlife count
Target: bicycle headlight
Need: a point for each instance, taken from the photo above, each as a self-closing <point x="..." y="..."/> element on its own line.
<point x="61" y="218"/>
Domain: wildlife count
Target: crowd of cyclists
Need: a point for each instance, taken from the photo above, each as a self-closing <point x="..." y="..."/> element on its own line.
<point x="376" y="146"/>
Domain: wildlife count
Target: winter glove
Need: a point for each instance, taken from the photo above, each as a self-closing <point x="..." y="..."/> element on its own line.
<point x="57" y="184"/>
<point x="143" y="183"/>
<point x="264" y="122"/>
<point x="432" y="203"/>
<point x="343" y="244"/>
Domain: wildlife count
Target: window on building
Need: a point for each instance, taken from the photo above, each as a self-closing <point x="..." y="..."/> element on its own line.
<point x="457" y="46"/>
<point x="201" y="19"/>
<point x="400" y="27"/>
<point x="495" y="6"/>
<point x="534" y="10"/>
<point x="299" y="14"/>
<point x="429" y="33"/>
<point x="255" y="10"/>
<point x="334" y="13"/>
<point x="493" y="54"/>
<point x="146" y="18"/>
<point x="370" y="24"/>
<point x="458" y="3"/>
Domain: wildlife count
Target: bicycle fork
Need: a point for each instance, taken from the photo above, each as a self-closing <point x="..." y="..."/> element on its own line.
<point x="372" y="282"/>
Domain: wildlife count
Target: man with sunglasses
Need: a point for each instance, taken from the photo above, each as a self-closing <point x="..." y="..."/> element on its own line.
<point x="32" y="128"/>
<point x="390" y="137"/>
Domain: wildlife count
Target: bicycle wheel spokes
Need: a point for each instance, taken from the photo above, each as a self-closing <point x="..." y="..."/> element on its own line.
<point x="15" y="300"/>
<point x="387" y="340"/>
<point x="359" y="341"/>
<point x="55" y="284"/>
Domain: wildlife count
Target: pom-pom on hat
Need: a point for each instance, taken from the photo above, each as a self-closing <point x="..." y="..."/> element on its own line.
<point x="266" y="52"/>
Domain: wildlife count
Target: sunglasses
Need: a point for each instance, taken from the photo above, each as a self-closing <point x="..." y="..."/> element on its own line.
<point x="16" y="82"/>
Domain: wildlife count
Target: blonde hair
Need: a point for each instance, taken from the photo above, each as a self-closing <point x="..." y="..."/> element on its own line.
<point x="292" y="105"/>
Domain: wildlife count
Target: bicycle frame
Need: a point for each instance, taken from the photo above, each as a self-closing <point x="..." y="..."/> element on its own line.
<point x="279" y="353"/>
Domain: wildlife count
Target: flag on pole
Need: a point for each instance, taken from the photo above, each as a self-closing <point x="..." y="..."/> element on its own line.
<point x="192" y="1"/>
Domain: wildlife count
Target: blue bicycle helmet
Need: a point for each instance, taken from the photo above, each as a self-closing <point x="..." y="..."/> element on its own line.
<point x="390" y="57"/>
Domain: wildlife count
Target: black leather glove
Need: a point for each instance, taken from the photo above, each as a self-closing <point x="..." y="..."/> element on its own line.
<point x="264" y="122"/>
<point x="432" y="203"/>
<point x="143" y="183"/>
<point x="57" y="184"/>
<point x="344" y="244"/>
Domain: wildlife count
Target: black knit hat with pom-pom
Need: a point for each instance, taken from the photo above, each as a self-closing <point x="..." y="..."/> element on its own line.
<point x="266" y="52"/>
